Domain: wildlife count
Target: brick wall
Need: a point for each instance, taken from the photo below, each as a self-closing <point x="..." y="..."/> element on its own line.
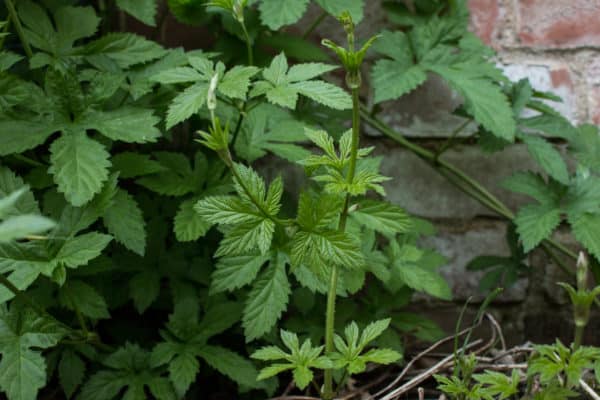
<point x="554" y="43"/>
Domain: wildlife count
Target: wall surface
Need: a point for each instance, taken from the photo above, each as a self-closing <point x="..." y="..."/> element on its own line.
<point x="554" y="43"/>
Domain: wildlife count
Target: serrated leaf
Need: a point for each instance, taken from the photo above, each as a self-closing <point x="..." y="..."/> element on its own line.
<point x="71" y="371"/>
<point x="392" y="81"/>
<point x="183" y="369"/>
<point x="315" y="249"/>
<point x="124" y="220"/>
<point x="336" y="7"/>
<point x="189" y="225"/>
<point x="11" y="184"/>
<point x="21" y="226"/>
<point x="234" y="272"/>
<point x="144" y="288"/>
<point x="125" y="49"/>
<point x="236" y="81"/>
<point x="230" y="364"/>
<point x="586" y="228"/>
<point x="381" y="216"/>
<point x="187" y="104"/>
<point x="19" y="135"/>
<point x="324" y="93"/>
<point x="132" y="165"/>
<point x="127" y="124"/>
<point x="22" y="369"/>
<point x="535" y="223"/>
<point x="79" y="166"/>
<point x="142" y="10"/>
<point x="278" y="13"/>
<point x="76" y="293"/>
<point x="267" y="300"/>
<point x="531" y="185"/>
<point x="177" y="75"/>
<point x="304" y="72"/>
<point x="547" y="157"/>
<point x="82" y="249"/>
<point x="484" y="101"/>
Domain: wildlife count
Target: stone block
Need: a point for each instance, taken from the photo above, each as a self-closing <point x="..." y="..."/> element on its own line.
<point x="424" y="192"/>
<point x="460" y="246"/>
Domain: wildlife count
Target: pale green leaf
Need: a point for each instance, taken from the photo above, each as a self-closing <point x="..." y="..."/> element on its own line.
<point x="382" y="216"/>
<point x="236" y="81"/>
<point x="79" y="166"/>
<point x="304" y="72"/>
<point x="177" y="75"/>
<point x="278" y="13"/>
<point x="337" y="7"/>
<point x="187" y="104"/>
<point x="547" y="157"/>
<point x="586" y="228"/>
<point x="267" y="300"/>
<point x="22" y="226"/>
<point x="535" y="223"/>
<point x="325" y="93"/>
<point x="483" y="100"/>
<point x="392" y="81"/>
<point x="189" y="225"/>
<point x="234" y="272"/>
<point x="127" y="124"/>
<point x="82" y="249"/>
<point x="126" y="49"/>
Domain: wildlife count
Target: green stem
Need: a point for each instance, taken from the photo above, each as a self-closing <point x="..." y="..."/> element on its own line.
<point x="462" y="180"/>
<point x="448" y="143"/>
<point x="577" y="340"/>
<point x="4" y="30"/>
<point x="314" y="25"/>
<point x="328" y="392"/>
<point x="79" y="316"/>
<point x="238" y="125"/>
<point x="18" y="27"/>
<point x="248" y="44"/>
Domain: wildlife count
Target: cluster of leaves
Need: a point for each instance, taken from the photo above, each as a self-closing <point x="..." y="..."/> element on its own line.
<point x="95" y="133"/>
<point x="556" y="369"/>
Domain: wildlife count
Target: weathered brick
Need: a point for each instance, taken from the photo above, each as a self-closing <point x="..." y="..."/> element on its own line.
<point x="485" y="16"/>
<point x="422" y="191"/>
<point x="559" y="23"/>
<point x="550" y="77"/>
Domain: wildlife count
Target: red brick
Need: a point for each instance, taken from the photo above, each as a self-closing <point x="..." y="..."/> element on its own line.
<point x="559" y="23"/>
<point x="485" y="15"/>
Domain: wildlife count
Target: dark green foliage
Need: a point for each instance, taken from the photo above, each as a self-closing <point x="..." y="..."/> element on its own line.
<point x="168" y="252"/>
